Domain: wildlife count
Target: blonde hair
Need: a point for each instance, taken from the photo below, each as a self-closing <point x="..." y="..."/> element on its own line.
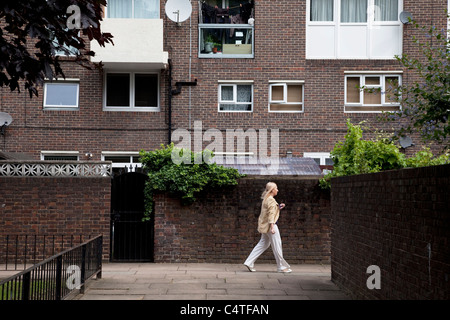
<point x="269" y="187"/>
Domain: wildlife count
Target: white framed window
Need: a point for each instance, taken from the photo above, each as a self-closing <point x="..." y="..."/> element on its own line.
<point x="131" y="91"/>
<point x="286" y="96"/>
<point x="353" y="29"/>
<point x="371" y="92"/>
<point x="122" y="159"/>
<point x="236" y="97"/>
<point x="61" y="95"/>
<point x="321" y="158"/>
<point x="60" y="155"/>
<point x="133" y="9"/>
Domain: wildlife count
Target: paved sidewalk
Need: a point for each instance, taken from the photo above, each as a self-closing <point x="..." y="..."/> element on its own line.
<point x="206" y="281"/>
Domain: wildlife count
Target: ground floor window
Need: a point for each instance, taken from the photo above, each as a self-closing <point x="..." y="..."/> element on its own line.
<point x="60" y="155"/>
<point x="128" y="161"/>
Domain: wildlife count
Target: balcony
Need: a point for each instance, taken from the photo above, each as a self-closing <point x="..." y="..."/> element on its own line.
<point x="138" y="44"/>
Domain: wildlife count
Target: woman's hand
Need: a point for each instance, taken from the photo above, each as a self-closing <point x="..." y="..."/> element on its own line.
<point x="282" y="205"/>
<point x="272" y="229"/>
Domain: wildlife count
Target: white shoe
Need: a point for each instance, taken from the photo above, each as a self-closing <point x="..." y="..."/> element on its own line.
<point x="250" y="268"/>
<point x="285" y="271"/>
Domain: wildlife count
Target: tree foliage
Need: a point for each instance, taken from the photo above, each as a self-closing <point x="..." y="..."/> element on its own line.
<point x="425" y="104"/>
<point x="357" y="156"/>
<point x="184" y="180"/>
<point x="32" y="31"/>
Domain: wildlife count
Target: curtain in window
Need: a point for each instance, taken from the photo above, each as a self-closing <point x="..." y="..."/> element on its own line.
<point x="321" y="10"/>
<point x="146" y="9"/>
<point x="119" y="8"/>
<point x="386" y="10"/>
<point x="244" y="93"/>
<point x="353" y="10"/>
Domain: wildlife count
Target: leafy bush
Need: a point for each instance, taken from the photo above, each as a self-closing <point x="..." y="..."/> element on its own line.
<point x="357" y="156"/>
<point x="185" y="179"/>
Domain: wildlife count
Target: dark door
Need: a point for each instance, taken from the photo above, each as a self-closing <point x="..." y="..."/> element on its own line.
<point x="131" y="238"/>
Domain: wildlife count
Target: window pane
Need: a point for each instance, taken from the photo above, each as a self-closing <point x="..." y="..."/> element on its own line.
<point x="294" y="93"/>
<point x="277" y="93"/>
<point x="119" y="8"/>
<point x="146" y="90"/>
<point x="353" y="89"/>
<point x="386" y="10"/>
<point x="321" y="10"/>
<point x="146" y="9"/>
<point x="353" y="10"/>
<point x="372" y="97"/>
<point x="226" y="93"/>
<point x="244" y="93"/>
<point x="391" y="84"/>
<point x="61" y="94"/>
<point x="235" y="107"/>
<point x="371" y="81"/>
<point x="118" y="90"/>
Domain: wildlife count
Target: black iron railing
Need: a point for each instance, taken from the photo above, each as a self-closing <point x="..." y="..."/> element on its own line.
<point x="56" y="277"/>
<point x="17" y="252"/>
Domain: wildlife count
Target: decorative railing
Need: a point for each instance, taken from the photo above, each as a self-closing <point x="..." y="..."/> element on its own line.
<point x="55" y="169"/>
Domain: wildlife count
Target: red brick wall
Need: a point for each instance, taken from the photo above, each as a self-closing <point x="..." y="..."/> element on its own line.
<point x="55" y="206"/>
<point x="391" y="219"/>
<point x="221" y="225"/>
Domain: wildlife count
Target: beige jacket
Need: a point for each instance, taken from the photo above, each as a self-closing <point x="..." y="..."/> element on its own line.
<point x="270" y="212"/>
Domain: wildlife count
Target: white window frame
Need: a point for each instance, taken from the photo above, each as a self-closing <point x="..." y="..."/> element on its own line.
<point x="322" y="156"/>
<point x="370" y="24"/>
<point x="45" y="154"/>
<point x="234" y="84"/>
<point x="62" y="107"/>
<point x="285" y="84"/>
<point x="131" y="107"/>
<point x="131" y="164"/>
<point x="362" y="77"/>
<point x="132" y="13"/>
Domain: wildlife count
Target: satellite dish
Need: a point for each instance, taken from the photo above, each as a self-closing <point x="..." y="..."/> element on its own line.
<point x="406" y="142"/>
<point x="5" y="119"/>
<point x="178" y="10"/>
<point x="406" y="17"/>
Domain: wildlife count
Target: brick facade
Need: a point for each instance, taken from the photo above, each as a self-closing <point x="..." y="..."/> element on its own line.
<point x="54" y="206"/>
<point x="280" y="37"/>
<point x="221" y="225"/>
<point x="398" y="220"/>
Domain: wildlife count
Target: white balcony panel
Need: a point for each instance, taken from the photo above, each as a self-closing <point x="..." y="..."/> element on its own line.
<point x="138" y="43"/>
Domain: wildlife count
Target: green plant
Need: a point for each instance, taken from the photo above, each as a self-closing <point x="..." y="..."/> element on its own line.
<point x="357" y="156"/>
<point x="186" y="179"/>
<point x="426" y="158"/>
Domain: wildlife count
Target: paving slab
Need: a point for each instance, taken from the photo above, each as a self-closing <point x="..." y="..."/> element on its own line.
<point x="210" y="281"/>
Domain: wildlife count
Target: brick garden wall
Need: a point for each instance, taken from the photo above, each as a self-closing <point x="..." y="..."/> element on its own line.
<point x="399" y="221"/>
<point x="54" y="206"/>
<point x="221" y="225"/>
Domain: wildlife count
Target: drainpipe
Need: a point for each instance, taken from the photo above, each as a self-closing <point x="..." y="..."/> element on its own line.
<point x="172" y="93"/>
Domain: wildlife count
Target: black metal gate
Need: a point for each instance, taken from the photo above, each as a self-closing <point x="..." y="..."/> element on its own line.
<point x="131" y="238"/>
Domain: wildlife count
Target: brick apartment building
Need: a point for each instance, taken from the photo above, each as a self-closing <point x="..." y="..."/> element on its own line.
<point x="291" y="65"/>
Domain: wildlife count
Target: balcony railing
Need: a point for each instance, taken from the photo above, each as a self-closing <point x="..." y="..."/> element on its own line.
<point x="55" y="169"/>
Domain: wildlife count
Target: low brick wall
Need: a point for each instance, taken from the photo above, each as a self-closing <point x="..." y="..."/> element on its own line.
<point x="68" y="206"/>
<point x="399" y="221"/>
<point x="221" y="225"/>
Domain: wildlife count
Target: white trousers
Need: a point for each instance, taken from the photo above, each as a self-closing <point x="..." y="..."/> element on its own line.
<point x="268" y="239"/>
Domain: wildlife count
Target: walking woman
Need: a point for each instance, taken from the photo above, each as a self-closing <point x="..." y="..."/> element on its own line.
<point x="270" y="235"/>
